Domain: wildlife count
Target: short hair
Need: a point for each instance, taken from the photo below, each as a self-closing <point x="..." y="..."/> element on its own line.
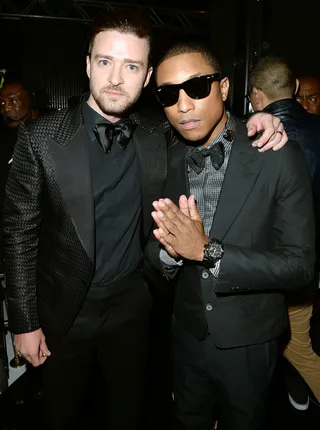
<point x="12" y="78"/>
<point x="273" y="76"/>
<point x="124" y="21"/>
<point x="192" y="48"/>
<point x="313" y="78"/>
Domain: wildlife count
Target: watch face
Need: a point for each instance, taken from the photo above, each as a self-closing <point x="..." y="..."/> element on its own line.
<point x="215" y="250"/>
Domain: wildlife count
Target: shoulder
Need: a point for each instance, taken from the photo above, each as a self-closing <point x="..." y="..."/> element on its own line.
<point x="60" y="125"/>
<point x="47" y="122"/>
<point x="150" y="121"/>
<point x="290" y="150"/>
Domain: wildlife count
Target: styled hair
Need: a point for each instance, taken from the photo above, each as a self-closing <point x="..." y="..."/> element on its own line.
<point x="123" y="21"/>
<point x="273" y="76"/>
<point x="192" y="48"/>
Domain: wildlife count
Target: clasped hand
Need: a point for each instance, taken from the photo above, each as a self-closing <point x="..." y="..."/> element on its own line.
<point x="180" y="229"/>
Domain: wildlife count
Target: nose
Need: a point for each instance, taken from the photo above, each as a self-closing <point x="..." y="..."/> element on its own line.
<point x="185" y="103"/>
<point x="6" y="106"/>
<point x="115" y="77"/>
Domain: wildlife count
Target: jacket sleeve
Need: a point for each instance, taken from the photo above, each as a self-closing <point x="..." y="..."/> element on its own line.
<point x="22" y="220"/>
<point x="289" y="263"/>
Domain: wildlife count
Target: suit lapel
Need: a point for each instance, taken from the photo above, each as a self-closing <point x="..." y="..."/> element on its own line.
<point x="152" y="152"/>
<point x="72" y="173"/>
<point x="177" y="183"/>
<point x="242" y="172"/>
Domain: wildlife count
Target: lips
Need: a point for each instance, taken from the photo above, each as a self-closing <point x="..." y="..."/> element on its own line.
<point x="189" y="124"/>
<point x="113" y="93"/>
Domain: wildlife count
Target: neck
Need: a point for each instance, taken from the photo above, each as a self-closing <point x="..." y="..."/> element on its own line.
<point x="112" y="118"/>
<point x="216" y="130"/>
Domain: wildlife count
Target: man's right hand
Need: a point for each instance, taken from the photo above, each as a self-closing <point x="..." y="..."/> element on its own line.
<point x="32" y="346"/>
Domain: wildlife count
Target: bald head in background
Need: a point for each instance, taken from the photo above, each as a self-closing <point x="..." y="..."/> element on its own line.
<point x="309" y="94"/>
<point x="271" y="80"/>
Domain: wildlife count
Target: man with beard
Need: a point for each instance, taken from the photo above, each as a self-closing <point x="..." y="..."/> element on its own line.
<point x="77" y="216"/>
<point x="15" y="107"/>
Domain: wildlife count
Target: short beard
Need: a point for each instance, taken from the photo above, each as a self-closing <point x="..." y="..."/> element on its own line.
<point x="108" y="108"/>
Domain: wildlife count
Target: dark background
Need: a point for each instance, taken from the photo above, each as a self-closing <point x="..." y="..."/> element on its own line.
<point x="46" y="39"/>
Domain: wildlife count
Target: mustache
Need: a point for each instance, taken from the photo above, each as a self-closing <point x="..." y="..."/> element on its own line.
<point x="115" y="88"/>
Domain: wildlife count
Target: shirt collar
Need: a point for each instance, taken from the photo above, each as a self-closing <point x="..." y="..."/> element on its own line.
<point x="91" y="118"/>
<point x="226" y="136"/>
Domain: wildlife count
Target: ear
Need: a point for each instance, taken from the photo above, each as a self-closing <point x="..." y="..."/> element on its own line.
<point x="256" y="96"/>
<point x="297" y="86"/>
<point x="88" y="66"/>
<point x="224" y="88"/>
<point x="148" y="76"/>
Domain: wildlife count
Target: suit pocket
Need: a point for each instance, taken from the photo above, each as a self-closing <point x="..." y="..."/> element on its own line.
<point x="251" y="304"/>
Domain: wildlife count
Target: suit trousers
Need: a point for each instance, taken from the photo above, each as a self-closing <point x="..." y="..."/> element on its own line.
<point x="109" y="339"/>
<point x="227" y="385"/>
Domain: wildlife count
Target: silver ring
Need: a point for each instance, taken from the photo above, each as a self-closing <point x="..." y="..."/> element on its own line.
<point x="43" y="354"/>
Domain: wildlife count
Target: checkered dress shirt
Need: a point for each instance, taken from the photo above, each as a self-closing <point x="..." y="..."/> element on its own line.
<point x="206" y="187"/>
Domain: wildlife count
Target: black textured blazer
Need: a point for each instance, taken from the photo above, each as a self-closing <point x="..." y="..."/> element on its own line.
<point x="49" y="217"/>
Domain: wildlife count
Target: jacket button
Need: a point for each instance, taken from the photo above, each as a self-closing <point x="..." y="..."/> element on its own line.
<point x="205" y="275"/>
<point x="209" y="307"/>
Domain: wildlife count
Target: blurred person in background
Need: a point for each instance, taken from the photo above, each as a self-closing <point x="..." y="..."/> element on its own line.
<point x="16" y="106"/>
<point x="308" y="94"/>
<point x="272" y="89"/>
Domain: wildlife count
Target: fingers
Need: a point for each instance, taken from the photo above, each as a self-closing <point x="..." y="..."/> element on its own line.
<point x="44" y="352"/>
<point x="193" y="209"/>
<point x="283" y="141"/>
<point x="33" y="359"/>
<point x="264" y="138"/>
<point x="276" y="142"/>
<point x="158" y="218"/>
<point x="168" y="216"/>
<point x="183" y="205"/>
<point x="166" y="246"/>
<point x="273" y="137"/>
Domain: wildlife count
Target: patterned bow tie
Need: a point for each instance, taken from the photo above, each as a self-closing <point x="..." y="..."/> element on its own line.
<point x="196" y="158"/>
<point x="106" y="132"/>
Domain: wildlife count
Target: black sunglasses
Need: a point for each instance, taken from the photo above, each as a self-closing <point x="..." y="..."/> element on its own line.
<point x="196" y="88"/>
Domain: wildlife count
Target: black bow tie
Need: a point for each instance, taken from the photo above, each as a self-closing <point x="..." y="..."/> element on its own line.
<point x="196" y="158"/>
<point x="106" y="132"/>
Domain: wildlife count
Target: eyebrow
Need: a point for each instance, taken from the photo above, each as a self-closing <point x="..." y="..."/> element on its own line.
<point x="195" y="75"/>
<point x="125" y="60"/>
<point x="304" y="94"/>
<point x="10" y="96"/>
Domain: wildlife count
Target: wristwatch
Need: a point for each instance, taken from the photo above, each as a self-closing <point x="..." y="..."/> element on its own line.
<point x="213" y="252"/>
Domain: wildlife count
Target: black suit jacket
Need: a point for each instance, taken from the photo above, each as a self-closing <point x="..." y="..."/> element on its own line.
<point x="265" y="219"/>
<point x="49" y="217"/>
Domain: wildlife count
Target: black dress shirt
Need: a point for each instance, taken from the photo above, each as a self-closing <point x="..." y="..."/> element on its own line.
<point x="116" y="188"/>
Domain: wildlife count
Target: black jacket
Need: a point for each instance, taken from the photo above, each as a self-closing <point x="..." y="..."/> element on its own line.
<point x="304" y="128"/>
<point x="49" y="217"/>
<point x="300" y="126"/>
<point x="265" y="220"/>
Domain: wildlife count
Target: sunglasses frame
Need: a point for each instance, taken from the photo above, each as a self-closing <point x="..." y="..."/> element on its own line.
<point x="213" y="77"/>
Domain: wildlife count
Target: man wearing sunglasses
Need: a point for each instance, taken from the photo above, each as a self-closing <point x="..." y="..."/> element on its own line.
<point x="235" y="229"/>
<point x="77" y="217"/>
